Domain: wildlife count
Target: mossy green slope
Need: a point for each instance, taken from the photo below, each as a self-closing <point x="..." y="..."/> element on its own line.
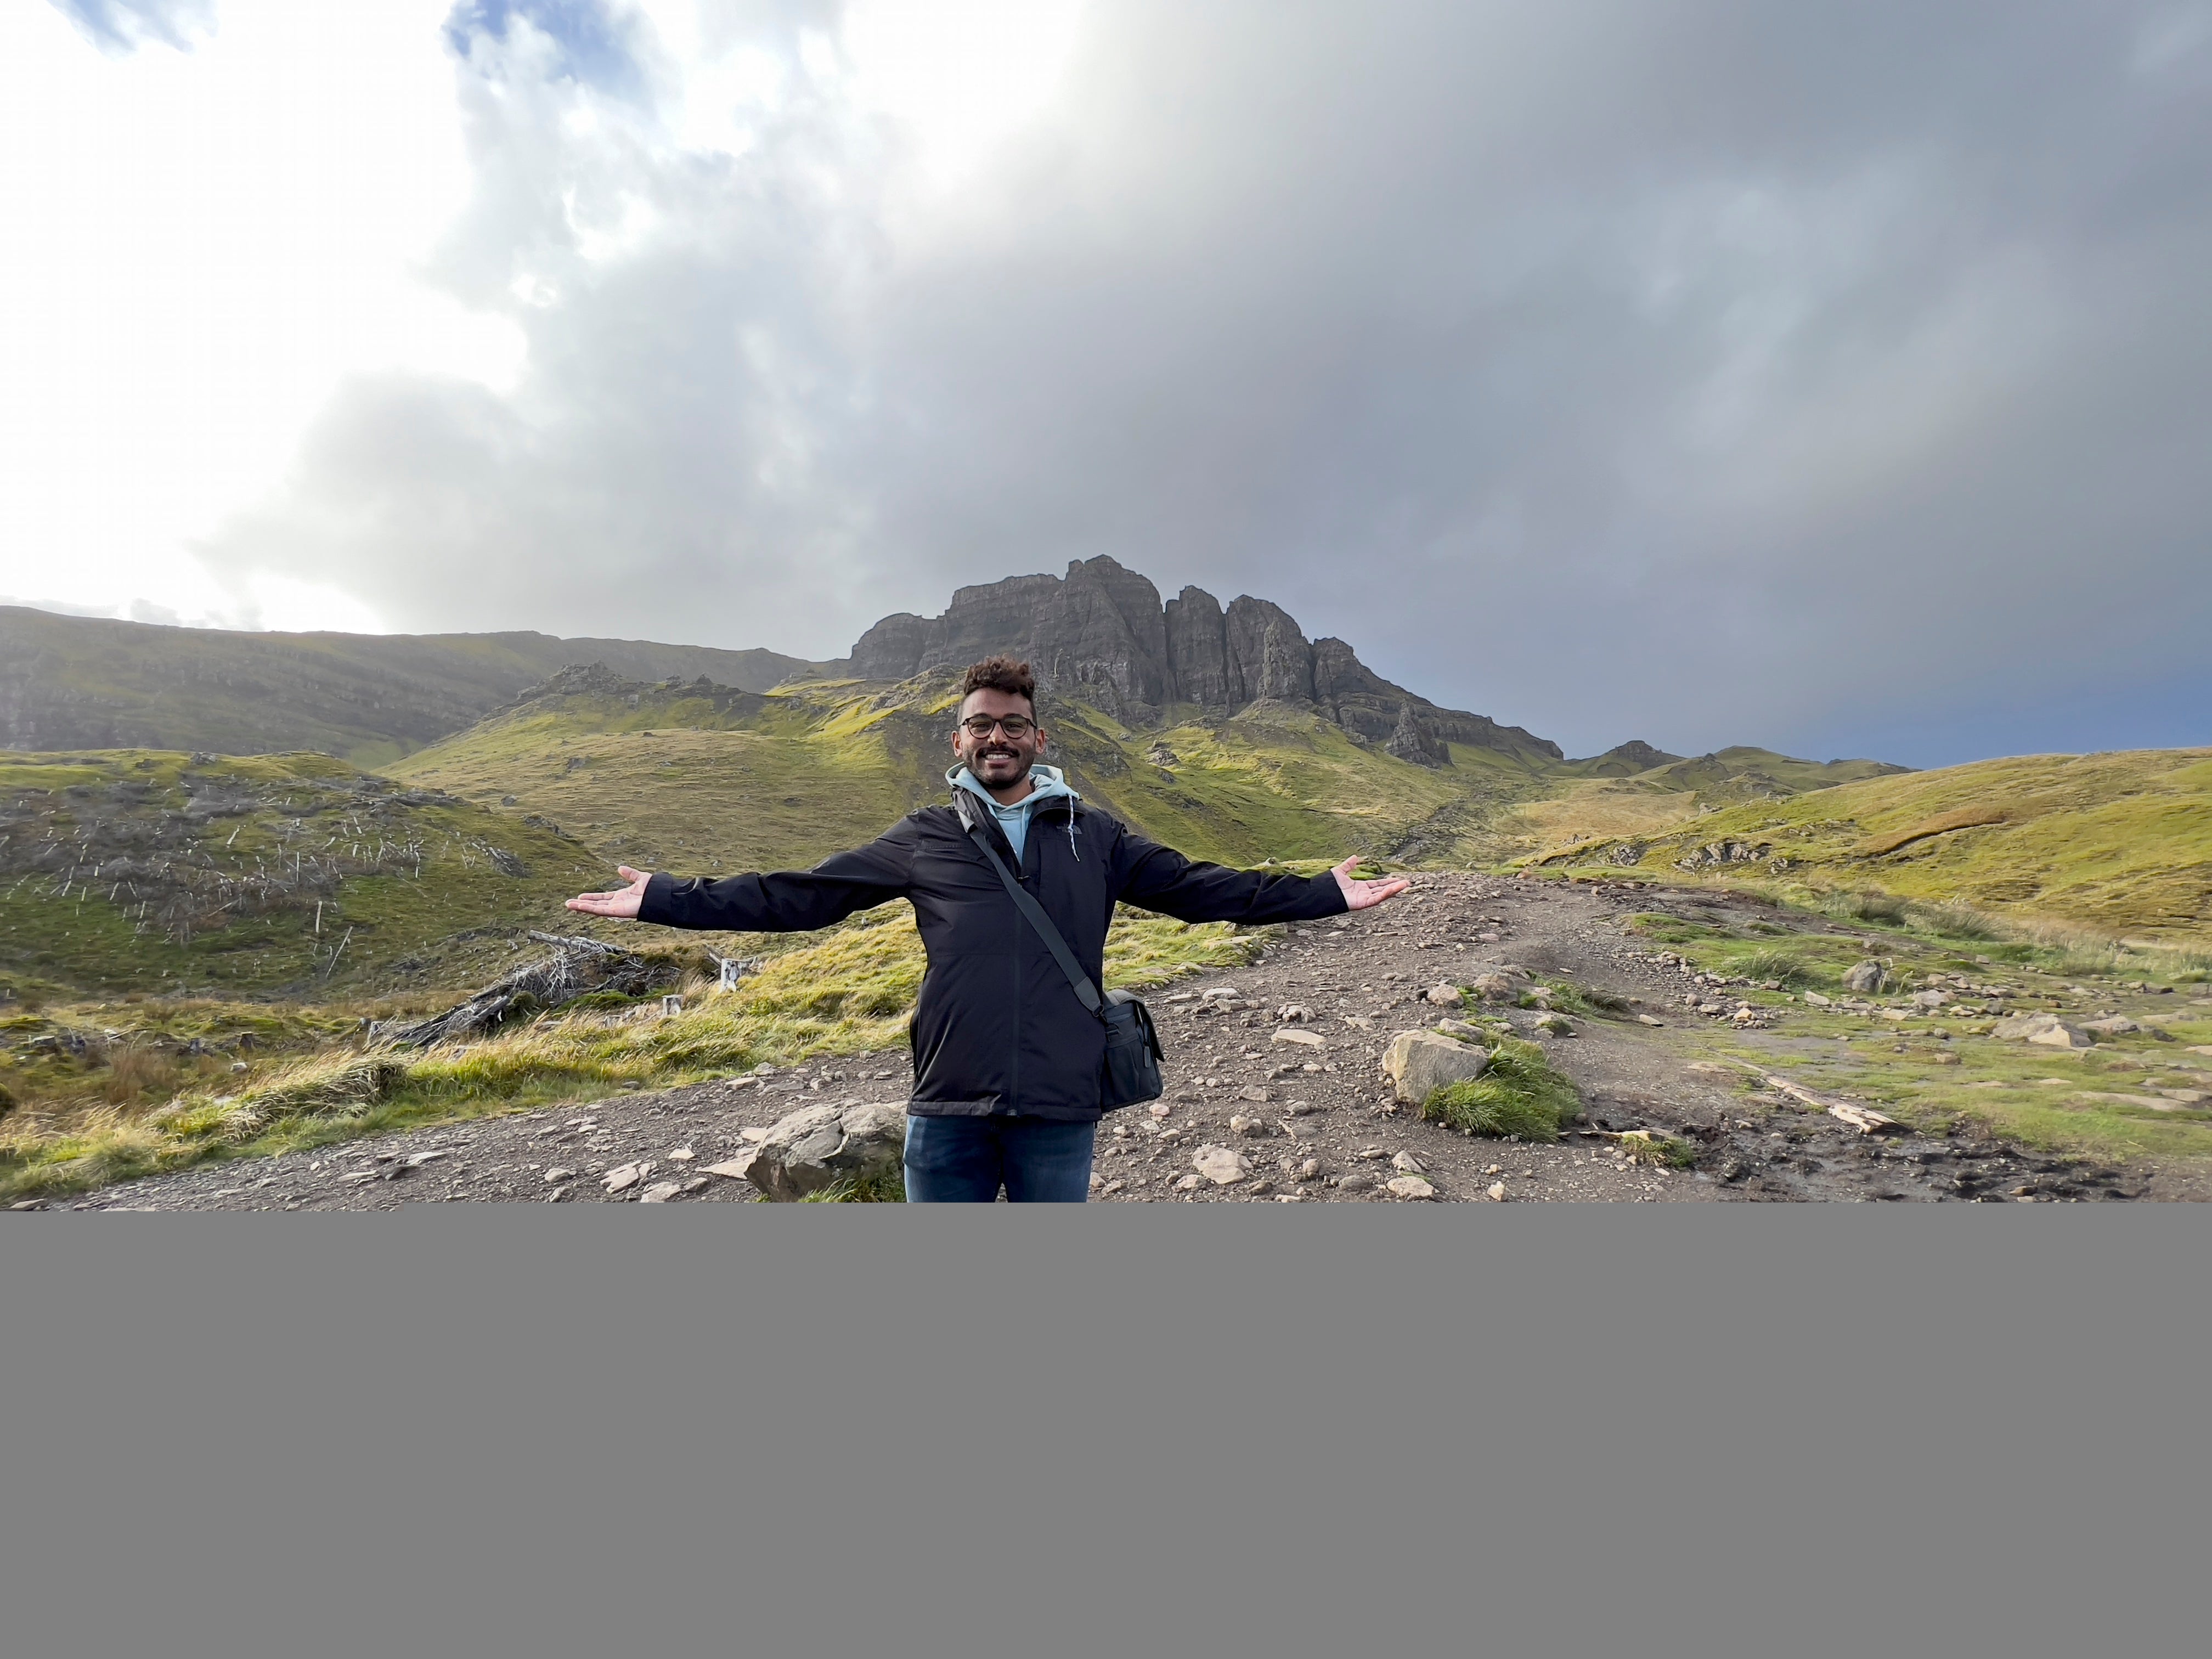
<point x="702" y="780"/>
<point x="2118" y="843"/>
<point x="150" y="870"/>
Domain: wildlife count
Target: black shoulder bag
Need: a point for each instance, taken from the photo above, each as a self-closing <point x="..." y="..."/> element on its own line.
<point x="1131" y="1071"/>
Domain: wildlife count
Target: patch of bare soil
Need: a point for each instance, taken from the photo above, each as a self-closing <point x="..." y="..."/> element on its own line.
<point x="1253" y="1115"/>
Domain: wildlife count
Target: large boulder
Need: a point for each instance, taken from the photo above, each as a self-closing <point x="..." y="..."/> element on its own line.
<point x="819" y="1147"/>
<point x="2046" y="1030"/>
<point x="1419" y="1063"/>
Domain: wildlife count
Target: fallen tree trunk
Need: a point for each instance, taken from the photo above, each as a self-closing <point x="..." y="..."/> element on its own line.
<point x="578" y="969"/>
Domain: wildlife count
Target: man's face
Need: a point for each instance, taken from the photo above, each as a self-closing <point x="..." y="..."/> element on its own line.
<point x="999" y="758"/>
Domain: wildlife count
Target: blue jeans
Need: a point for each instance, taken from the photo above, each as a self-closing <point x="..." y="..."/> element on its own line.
<point x="963" y="1160"/>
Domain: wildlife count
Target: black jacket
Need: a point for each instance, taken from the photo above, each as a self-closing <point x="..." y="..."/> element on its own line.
<point x="997" y="1029"/>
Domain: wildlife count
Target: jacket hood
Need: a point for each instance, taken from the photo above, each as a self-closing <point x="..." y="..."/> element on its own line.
<point x="1049" y="783"/>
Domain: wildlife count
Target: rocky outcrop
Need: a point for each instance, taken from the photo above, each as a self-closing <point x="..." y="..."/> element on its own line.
<point x="1101" y="632"/>
<point x="818" y="1147"/>
<point x="1626" y="760"/>
<point x="1419" y="1063"/>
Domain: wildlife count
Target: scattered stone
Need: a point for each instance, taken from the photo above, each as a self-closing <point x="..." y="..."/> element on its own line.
<point x="681" y="1155"/>
<point x="624" y="1176"/>
<point x="2113" y="1025"/>
<point x="2046" y="1030"/>
<point x="1497" y="1191"/>
<point x="1930" y="999"/>
<point x="1492" y="987"/>
<point x="661" y="1191"/>
<point x="1814" y="999"/>
<point x="1869" y="978"/>
<point x="819" y="1147"/>
<point x="1309" y="1170"/>
<point x="1446" y="996"/>
<point x="1419" y="1063"/>
<point x="1410" y="1187"/>
<point x="1295" y="1014"/>
<point x="1256" y="1096"/>
<point x="1552" y="1024"/>
<point x="1355" y="1182"/>
<point x="1190" y="1183"/>
<point x="554" y="1176"/>
<point x="1251" y="1128"/>
<point x="1221" y="1165"/>
<point x="1159" y="1108"/>
<point x="1406" y="1164"/>
<point x="1299" y="1034"/>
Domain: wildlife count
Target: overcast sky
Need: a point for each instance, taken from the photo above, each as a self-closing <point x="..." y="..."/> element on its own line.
<point x="1835" y="376"/>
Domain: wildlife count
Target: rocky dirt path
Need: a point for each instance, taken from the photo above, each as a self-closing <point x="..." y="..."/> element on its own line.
<point x="1274" y="1118"/>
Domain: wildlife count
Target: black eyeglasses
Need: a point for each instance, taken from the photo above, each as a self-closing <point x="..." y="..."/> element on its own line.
<point x="980" y="726"/>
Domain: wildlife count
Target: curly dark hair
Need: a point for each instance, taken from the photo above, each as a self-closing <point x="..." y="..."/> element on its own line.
<point x="1000" y="674"/>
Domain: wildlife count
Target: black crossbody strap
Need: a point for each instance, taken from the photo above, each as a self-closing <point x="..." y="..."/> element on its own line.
<point x="1033" y="913"/>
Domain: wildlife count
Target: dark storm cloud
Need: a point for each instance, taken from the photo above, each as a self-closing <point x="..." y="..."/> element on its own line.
<point x="1831" y="376"/>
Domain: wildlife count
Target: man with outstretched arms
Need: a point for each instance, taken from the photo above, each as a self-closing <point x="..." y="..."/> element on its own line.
<point x="1006" y="1059"/>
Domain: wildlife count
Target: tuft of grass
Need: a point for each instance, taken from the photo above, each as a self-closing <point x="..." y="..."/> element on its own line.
<point x="1955" y="921"/>
<point x="1521" y="1096"/>
<point x="1773" y="965"/>
<point x="1880" y="909"/>
<point x="1655" y="1151"/>
<point x="873" y="1189"/>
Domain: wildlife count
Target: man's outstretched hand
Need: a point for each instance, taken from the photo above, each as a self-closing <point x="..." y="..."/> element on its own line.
<point x="624" y="901"/>
<point x="1358" y="895"/>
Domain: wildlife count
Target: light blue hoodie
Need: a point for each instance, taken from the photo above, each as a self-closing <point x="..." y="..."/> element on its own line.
<point x="1049" y="785"/>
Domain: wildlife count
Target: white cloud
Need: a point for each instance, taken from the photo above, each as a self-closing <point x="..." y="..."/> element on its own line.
<point x="208" y="242"/>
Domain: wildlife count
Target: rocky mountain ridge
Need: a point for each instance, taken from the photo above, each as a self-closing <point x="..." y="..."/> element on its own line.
<point x="1102" y="634"/>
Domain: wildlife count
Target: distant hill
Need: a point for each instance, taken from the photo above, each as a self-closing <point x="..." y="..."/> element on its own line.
<point x="705" y="777"/>
<point x="2120" y="843"/>
<point x="708" y="778"/>
<point x="150" y="869"/>
<point x="86" y="683"/>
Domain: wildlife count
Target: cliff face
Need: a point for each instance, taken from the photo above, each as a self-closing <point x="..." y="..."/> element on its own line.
<point x="1101" y="632"/>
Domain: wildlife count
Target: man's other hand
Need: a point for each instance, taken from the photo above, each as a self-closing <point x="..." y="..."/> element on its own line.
<point x="624" y="901"/>
<point x="1358" y="895"/>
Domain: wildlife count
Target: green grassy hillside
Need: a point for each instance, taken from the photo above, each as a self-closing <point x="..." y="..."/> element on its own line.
<point x="154" y="871"/>
<point x="704" y="779"/>
<point x="76" y="681"/>
<point x="2118" y="844"/>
